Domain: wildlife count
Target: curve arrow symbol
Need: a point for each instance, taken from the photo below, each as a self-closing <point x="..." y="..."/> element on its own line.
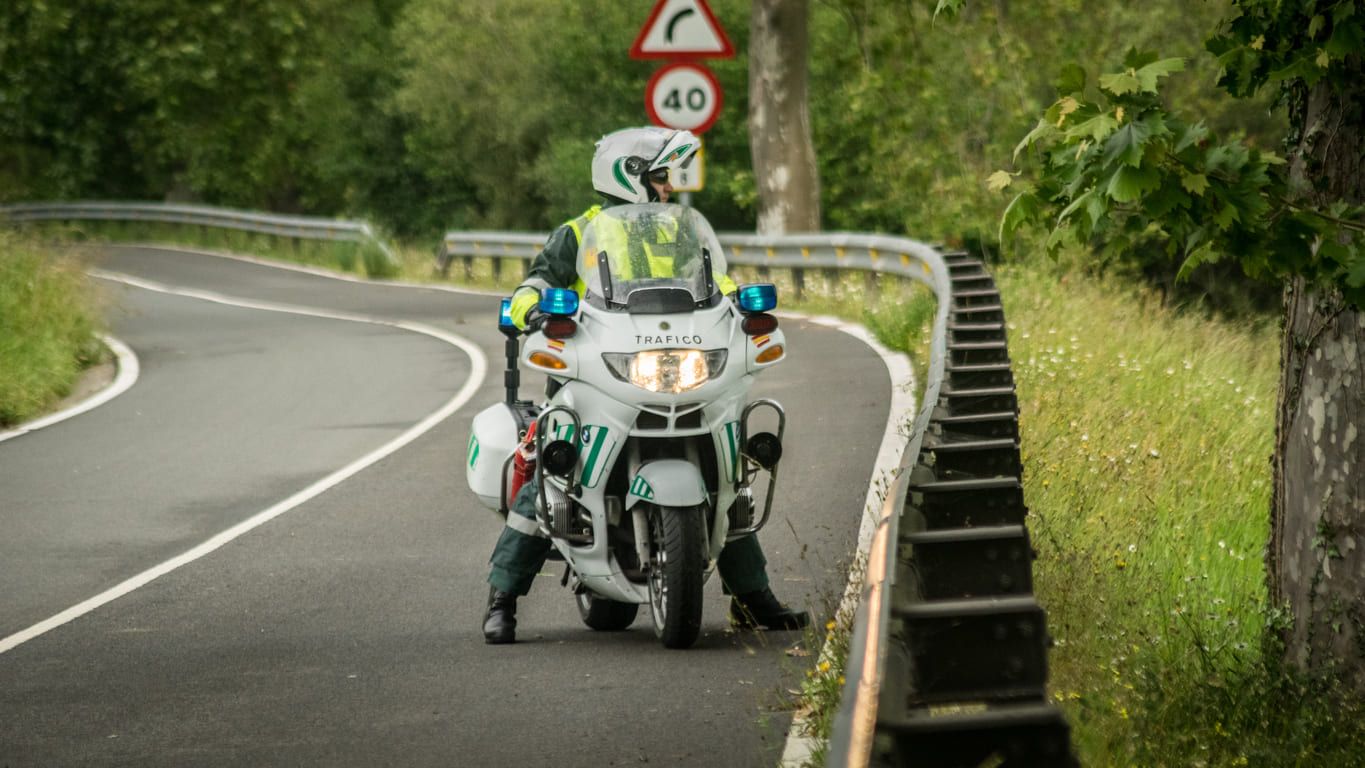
<point x="673" y="22"/>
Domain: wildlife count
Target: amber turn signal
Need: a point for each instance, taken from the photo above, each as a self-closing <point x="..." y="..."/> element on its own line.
<point x="546" y="360"/>
<point x="775" y="352"/>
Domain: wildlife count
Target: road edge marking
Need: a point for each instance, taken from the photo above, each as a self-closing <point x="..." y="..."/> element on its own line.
<point x="479" y="367"/>
<point x="128" y="371"/>
<point x="799" y="748"/>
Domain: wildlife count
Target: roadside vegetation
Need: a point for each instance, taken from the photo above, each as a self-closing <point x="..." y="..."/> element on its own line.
<point x="49" y="316"/>
<point x="1146" y="437"/>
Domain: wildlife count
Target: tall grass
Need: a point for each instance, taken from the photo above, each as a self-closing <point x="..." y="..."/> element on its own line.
<point x="1146" y="437"/>
<point x="48" y="319"/>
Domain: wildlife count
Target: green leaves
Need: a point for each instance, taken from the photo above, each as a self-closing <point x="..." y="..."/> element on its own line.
<point x="1096" y="128"/>
<point x="1315" y="25"/>
<point x="1194" y="183"/>
<point x="1140" y="80"/>
<point x="1128" y="184"/>
<point x="1023" y="208"/>
<point x="1071" y="80"/>
<point x="999" y="180"/>
<point x="1288" y="44"/>
<point x="1120" y="171"/>
<point x="951" y="7"/>
<point x="1126" y="145"/>
<point x="1149" y="75"/>
<point x="1121" y="83"/>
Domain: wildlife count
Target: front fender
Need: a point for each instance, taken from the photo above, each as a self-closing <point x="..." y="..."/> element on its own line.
<point x="667" y="483"/>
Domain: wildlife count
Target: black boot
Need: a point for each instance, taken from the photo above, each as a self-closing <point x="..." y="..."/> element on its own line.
<point x="500" y="623"/>
<point x="761" y="610"/>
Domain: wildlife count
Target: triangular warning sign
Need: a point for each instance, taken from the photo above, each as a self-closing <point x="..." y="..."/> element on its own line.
<point x="682" y="29"/>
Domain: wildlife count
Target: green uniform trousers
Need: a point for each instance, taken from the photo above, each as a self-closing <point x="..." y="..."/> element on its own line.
<point x="518" y="556"/>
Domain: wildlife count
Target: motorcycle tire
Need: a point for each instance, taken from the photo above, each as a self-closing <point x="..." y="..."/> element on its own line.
<point x="677" y="573"/>
<point x="605" y="615"/>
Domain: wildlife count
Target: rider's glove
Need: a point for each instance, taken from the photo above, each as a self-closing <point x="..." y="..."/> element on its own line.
<point x="534" y="319"/>
<point x="525" y="301"/>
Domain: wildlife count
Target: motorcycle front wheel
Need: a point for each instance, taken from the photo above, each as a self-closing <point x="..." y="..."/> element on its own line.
<point x="677" y="571"/>
<point x="605" y="615"/>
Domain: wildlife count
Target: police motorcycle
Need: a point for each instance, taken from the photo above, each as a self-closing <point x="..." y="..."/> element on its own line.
<point x="647" y="453"/>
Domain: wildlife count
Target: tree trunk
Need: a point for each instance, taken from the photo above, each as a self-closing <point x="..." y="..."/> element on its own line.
<point x="1316" y="558"/>
<point x="779" y="122"/>
<point x="1317" y="553"/>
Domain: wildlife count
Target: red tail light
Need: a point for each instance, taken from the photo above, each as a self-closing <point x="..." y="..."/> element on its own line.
<point x="759" y="324"/>
<point x="559" y="328"/>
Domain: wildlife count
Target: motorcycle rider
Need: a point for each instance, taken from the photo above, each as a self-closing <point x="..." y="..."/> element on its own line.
<point x="629" y="166"/>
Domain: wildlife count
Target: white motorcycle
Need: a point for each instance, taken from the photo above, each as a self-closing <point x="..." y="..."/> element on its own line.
<point x="646" y="460"/>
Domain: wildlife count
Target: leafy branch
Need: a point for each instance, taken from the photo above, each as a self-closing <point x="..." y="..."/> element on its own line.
<point x="1111" y="168"/>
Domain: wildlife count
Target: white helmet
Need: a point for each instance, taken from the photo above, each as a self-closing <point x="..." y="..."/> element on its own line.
<point x="624" y="159"/>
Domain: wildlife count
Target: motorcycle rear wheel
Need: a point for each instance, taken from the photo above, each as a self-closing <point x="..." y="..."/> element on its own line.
<point x="603" y="614"/>
<point x="677" y="572"/>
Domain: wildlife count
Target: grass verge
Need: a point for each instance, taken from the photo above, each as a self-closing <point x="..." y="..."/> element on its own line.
<point x="48" y="320"/>
<point x="1146" y="437"/>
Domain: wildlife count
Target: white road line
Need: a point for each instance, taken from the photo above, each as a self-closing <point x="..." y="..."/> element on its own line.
<point x="479" y="367"/>
<point x="799" y="748"/>
<point x="127" y="374"/>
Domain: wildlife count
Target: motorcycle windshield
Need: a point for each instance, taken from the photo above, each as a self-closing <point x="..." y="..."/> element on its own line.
<point x="651" y="257"/>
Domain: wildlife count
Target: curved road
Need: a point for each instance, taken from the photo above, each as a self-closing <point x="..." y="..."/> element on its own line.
<point x="346" y="631"/>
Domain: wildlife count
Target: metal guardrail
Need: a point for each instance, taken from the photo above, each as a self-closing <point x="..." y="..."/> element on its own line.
<point x="871" y="254"/>
<point x="301" y="227"/>
<point x="947" y="664"/>
<point x="950" y="666"/>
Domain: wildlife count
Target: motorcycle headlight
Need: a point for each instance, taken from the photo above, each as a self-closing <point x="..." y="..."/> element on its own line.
<point x="666" y="370"/>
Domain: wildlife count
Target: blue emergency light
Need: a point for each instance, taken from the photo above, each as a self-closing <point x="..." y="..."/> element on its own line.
<point x="505" y="316"/>
<point x="757" y="297"/>
<point x="559" y="301"/>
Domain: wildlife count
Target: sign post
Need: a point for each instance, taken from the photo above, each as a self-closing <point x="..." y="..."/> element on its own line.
<point x="683" y="94"/>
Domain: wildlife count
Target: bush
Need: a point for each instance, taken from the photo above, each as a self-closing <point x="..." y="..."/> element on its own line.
<point x="48" y="321"/>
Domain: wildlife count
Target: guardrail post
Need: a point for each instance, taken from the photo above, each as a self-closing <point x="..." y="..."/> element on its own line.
<point x="799" y="282"/>
<point x="497" y="269"/>
<point x="871" y="286"/>
<point x="443" y="259"/>
<point x="468" y="267"/>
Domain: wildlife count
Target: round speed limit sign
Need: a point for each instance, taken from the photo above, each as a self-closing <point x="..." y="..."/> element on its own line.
<point x="685" y="96"/>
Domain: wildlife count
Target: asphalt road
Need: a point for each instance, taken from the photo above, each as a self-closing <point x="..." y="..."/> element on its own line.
<point x="347" y="630"/>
